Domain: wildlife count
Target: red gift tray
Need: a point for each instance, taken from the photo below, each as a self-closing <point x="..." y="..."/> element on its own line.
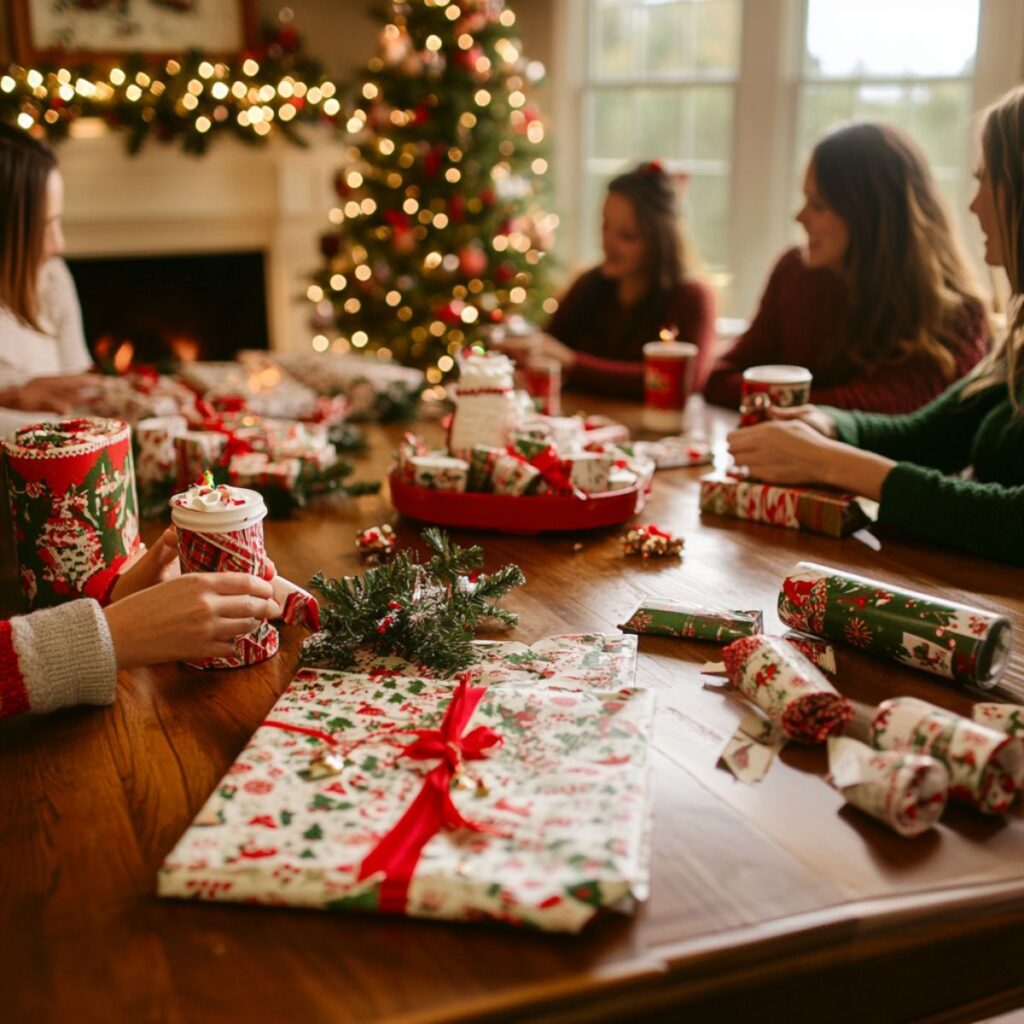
<point x="507" y="513"/>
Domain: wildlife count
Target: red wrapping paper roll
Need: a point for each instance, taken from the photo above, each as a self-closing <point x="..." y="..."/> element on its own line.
<point x="787" y="687"/>
<point x="71" y="486"/>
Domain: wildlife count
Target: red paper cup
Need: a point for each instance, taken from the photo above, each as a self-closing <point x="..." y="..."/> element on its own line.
<point x="668" y="377"/>
<point x="765" y="386"/>
<point x="543" y="380"/>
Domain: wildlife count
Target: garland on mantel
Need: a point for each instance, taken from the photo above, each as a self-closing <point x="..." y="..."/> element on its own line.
<point x="273" y="88"/>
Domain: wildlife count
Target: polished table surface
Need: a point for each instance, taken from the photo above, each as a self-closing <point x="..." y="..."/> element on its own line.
<point x="767" y="900"/>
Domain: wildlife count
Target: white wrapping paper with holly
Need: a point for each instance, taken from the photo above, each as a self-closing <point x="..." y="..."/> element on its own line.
<point x="524" y="804"/>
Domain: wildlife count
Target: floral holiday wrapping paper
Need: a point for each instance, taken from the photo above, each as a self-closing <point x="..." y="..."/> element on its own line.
<point x="903" y="790"/>
<point x="799" y="508"/>
<point x="1008" y="718"/>
<point x="528" y="805"/>
<point x="986" y="767"/>
<point x="970" y="645"/>
<point x="787" y="687"/>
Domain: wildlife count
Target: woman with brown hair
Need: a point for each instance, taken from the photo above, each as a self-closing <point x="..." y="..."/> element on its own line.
<point x="904" y="462"/>
<point x="880" y="306"/>
<point x="645" y="284"/>
<point x="42" y="347"/>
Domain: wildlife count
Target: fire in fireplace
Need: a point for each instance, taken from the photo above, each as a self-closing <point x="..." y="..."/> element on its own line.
<point x="161" y="309"/>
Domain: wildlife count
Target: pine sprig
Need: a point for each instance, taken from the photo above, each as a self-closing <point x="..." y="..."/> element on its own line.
<point x="424" y="613"/>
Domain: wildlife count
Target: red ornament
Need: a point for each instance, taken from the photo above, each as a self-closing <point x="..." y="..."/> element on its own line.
<point x="473" y="261"/>
<point x="496" y="316"/>
<point x="457" y="209"/>
<point x="432" y="161"/>
<point x="504" y="273"/>
<point x="487" y="197"/>
<point x="329" y="245"/>
<point x="288" y="38"/>
<point x="421" y="114"/>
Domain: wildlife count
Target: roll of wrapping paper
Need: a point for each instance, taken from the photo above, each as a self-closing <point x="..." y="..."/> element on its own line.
<point x="786" y="686"/>
<point x="1008" y="718"/>
<point x="905" y="791"/>
<point x="71" y="486"/>
<point x="220" y="529"/>
<point x="986" y="767"/>
<point x="970" y="645"/>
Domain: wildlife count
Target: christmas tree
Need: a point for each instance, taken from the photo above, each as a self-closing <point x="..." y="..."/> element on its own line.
<point x="439" y="231"/>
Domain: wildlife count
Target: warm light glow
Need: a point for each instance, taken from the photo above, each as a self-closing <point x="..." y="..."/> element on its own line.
<point x="445" y="363"/>
<point x="287" y="112"/>
<point x="332" y="107"/>
<point x="432" y="261"/>
<point x="314" y="95"/>
<point x="535" y="131"/>
<point x="320" y="343"/>
<point x="188" y="101"/>
<point x="203" y="125"/>
<point x="352" y="209"/>
<point x="469" y="315"/>
<point x="336" y="215"/>
<point x="250" y="67"/>
<point x="453" y="14"/>
<point x="172" y="67"/>
<point x="468" y="119"/>
<point x="539" y="166"/>
<point x="393" y="298"/>
<point x="267" y="93"/>
<point x="25" y="120"/>
<point x="482" y="98"/>
<point x="360" y="338"/>
<point x="517" y="295"/>
<point x="7" y="83"/>
<point x="434" y="375"/>
<point x="433" y="43"/>
<point x="410" y="206"/>
<point x="453" y="174"/>
<point x="117" y="76"/>
<point x="314" y="293"/>
<point x="353" y="179"/>
<point x="370" y="91"/>
<point x="516" y="99"/>
<point x="368" y="206"/>
<point x="440" y="221"/>
<point x="133" y="93"/>
<point x="507" y="18"/>
<point x="550" y="305"/>
<point x="363" y="272"/>
<point x="353" y="305"/>
<point x="123" y="357"/>
<point x="338" y="282"/>
<point x="436" y="328"/>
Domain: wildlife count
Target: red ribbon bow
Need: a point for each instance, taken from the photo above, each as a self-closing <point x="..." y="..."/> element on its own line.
<point x="398" y="853"/>
<point x="554" y="470"/>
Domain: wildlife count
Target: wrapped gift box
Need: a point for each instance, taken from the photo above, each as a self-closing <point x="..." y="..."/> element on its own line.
<point x="694" y="622"/>
<point x="817" y="510"/>
<point x="265" y="390"/>
<point x="550" y="798"/>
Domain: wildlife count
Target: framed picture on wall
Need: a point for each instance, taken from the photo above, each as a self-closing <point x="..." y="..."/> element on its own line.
<point x="65" y="31"/>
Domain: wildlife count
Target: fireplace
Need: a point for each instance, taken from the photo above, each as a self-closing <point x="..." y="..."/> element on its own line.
<point x="155" y="309"/>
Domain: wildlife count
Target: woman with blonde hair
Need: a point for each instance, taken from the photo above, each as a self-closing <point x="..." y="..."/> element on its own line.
<point x="906" y="461"/>
<point x="43" y="354"/>
<point x="880" y="305"/>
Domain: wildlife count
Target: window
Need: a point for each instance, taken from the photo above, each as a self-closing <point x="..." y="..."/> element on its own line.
<point x="661" y="83"/>
<point x="734" y="92"/>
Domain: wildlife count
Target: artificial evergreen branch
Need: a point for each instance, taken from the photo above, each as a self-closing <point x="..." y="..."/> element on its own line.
<point x="424" y="613"/>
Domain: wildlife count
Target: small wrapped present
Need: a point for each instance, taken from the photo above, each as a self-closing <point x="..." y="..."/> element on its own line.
<point x="138" y="395"/>
<point x="905" y="791"/>
<point x="198" y="451"/>
<point x="967" y="644"/>
<point x="408" y="448"/>
<point x="439" y="472"/>
<point x="377" y="543"/>
<point x="622" y="479"/>
<point x="817" y="510"/>
<point x="156" y="461"/>
<point x="693" y="621"/>
<point x="481" y="467"/>
<point x="787" y="687"/>
<point x="986" y="767"/>
<point x="603" y="430"/>
<point x="589" y="471"/>
<point x="674" y="452"/>
<point x="528" y="805"/>
<point x="1008" y="718"/>
<point x="264" y="391"/>
<point x="257" y="470"/>
<point x="514" y="475"/>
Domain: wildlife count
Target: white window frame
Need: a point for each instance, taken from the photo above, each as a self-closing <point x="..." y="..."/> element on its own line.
<point x="765" y="165"/>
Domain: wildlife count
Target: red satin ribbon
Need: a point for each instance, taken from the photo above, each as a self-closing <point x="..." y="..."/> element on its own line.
<point x="398" y="853"/>
<point x="552" y="468"/>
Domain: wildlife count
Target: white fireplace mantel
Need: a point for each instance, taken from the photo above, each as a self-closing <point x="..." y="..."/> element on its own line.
<point x="274" y="198"/>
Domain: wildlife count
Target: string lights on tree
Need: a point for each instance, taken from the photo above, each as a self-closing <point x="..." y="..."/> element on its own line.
<point x="270" y="89"/>
<point x="438" y="232"/>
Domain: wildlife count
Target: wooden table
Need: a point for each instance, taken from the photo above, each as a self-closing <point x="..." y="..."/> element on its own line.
<point x="771" y="901"/>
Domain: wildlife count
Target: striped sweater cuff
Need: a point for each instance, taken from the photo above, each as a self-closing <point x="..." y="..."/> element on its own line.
<point x="63" y="656"/>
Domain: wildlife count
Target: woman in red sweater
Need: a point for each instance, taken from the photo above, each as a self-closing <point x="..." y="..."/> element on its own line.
<point x="880" y="306"/>
<point x="644" y="285"/>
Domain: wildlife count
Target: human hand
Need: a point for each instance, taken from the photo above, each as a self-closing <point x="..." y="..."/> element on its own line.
<point x="49" y="394"/>
<point x="148" y="568"/>
<point x="785" y="452"/>
<point x="197" y="615"/>
<point x="809" y="414"/>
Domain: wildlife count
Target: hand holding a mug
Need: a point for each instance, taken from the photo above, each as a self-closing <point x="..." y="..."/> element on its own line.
<point x="794" y="452"/>
<point x="809" y="414"/>
<point x="197" y="615"/>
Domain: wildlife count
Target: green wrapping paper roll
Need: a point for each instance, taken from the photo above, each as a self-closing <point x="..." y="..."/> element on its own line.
<point x="71" y="485"/>
<point x="960" y="642"/>
<point x="693" y="621"/>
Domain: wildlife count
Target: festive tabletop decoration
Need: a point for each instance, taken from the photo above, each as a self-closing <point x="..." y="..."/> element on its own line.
<point x="903" y="790"/>
<point x="817" y="510"/>
<point x="752" y="747"/>
<point x="377" y="543"/>
<point x="986" y="767"/>
<point x="422" y="612"/>
<point x="787" y="687"/>
<point x="1008" y="718"/>
<point x="650" y="541"/>
<point x="968" y="644"/>
<point x="71" y="486"/>
<point x="193" y="98"/>
<point x="693" y="621"/>
<point x="527" y="804"/>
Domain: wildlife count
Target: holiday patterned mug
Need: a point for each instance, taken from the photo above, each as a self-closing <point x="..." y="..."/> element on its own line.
<point x="765" y="386"/>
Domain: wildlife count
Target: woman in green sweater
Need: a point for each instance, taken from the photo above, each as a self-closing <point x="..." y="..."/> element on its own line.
<point x="977" y="424"/>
